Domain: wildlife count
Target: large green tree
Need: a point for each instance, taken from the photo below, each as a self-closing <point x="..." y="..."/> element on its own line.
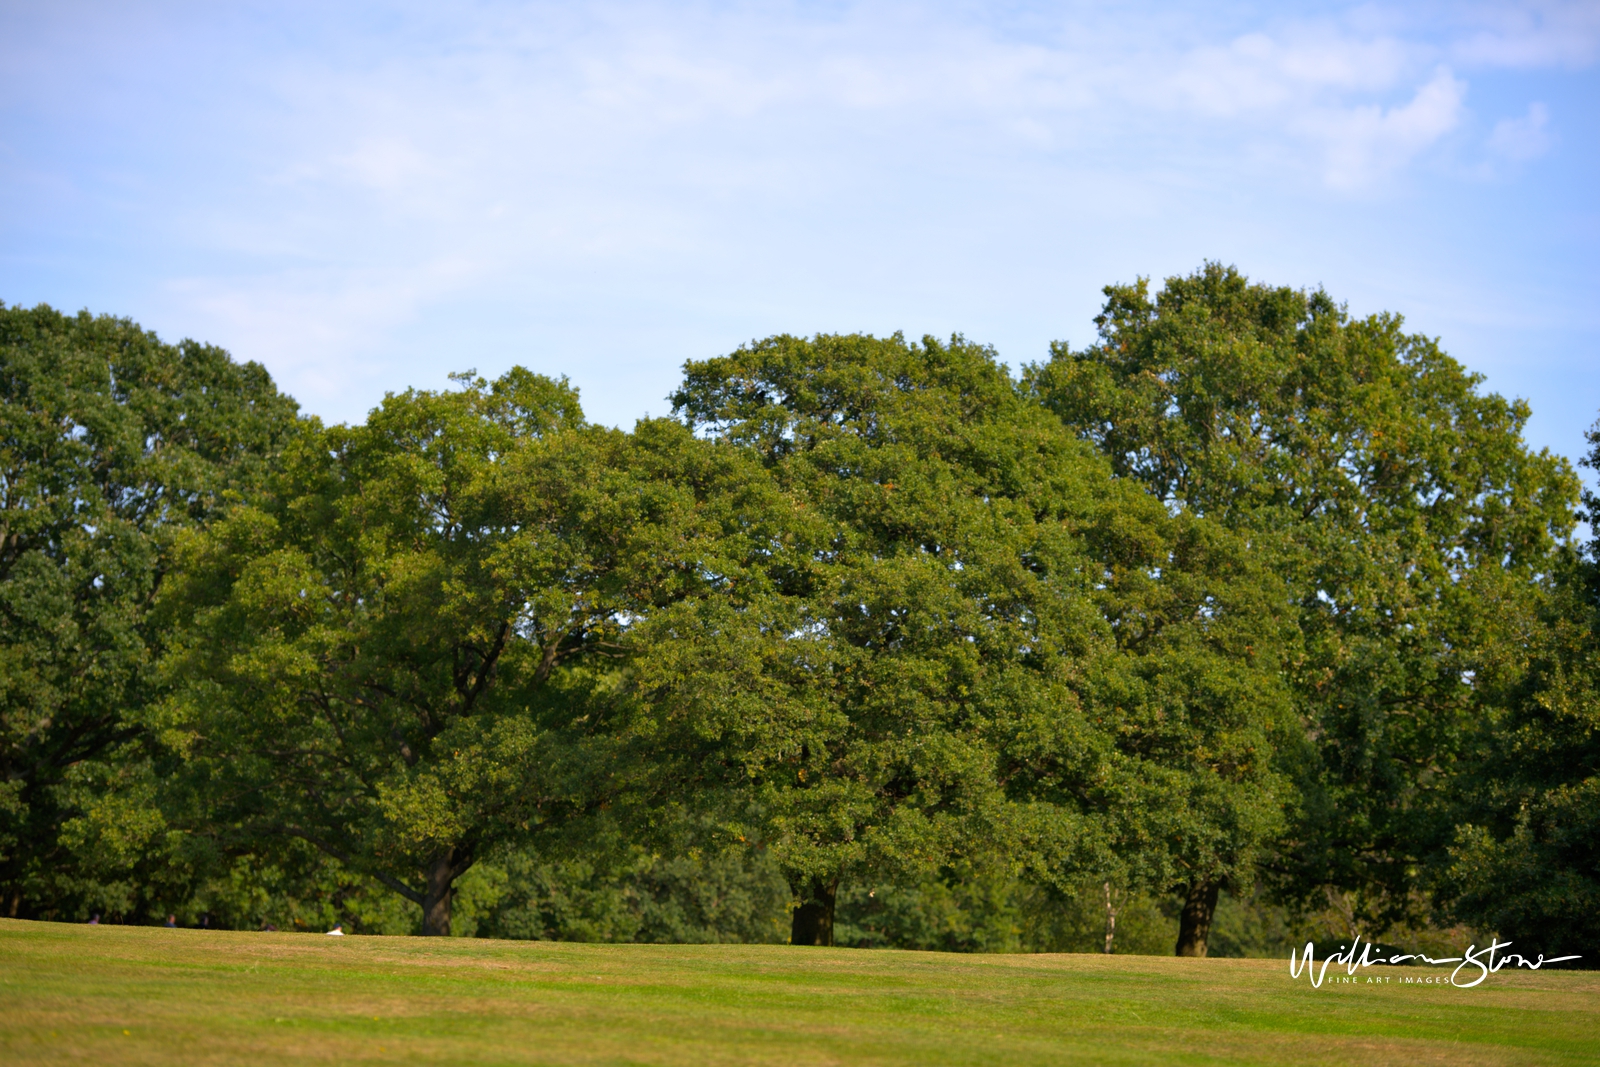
<point x="1397" y="501"/>
<point x="463" y="625"/>
<point x="1525" y="861"/>
<point x="1016" y="653"/>
<point x="110" y="443"/>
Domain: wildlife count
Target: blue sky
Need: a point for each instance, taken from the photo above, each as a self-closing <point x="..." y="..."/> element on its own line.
<point x="365" y="197"/>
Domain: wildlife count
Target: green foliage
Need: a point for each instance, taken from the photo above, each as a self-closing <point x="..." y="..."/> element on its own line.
<point x="975" y="910"/>
<point x="428" y="644"/>
<point x="111" y="442"/>
<point x="1251" y="623"/>
<point x="966" y="908"/>
<point x="1525" y="860"/>
<point x="736" y="895"/>
<point x="293" y="888"/>
<point x="1020" y="648"/>
<point x="1398" y="504"/>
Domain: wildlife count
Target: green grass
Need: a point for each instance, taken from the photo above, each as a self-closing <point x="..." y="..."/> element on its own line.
<point x="118" y="995"/>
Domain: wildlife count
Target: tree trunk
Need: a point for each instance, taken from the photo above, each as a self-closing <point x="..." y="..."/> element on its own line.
<point x="1111" y="918"/>
<point x="1194" y="925"/>
<point x="444" y="868"/>
<point x="813" y="919"/>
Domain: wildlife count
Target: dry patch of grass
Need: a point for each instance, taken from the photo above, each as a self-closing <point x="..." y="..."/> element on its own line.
<point x="116" y="995"/>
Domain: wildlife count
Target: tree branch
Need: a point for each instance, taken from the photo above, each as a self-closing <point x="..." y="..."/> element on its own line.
<point x="388" y="880"/>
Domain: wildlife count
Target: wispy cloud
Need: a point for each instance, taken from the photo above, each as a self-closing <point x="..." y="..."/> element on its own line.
<point x="1530" y="35"/>
<point x="1365" y="144"/>
<point x="325" y="178"/>
<point x="1258" y="72"/>
<point x="1524" y="138"/>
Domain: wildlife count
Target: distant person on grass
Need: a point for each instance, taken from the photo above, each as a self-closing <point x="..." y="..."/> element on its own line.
<point x="172" y="922"/>
<point x="337" y="931"/>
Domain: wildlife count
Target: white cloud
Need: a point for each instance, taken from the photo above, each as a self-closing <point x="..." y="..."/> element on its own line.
<point x="316" y="327"/>
<point x="1530" y="35"/>
<point x="386" y="164"/>
<point x="614" y="156"/>
<point x="1365" y="144"/>
<point x="538" y="142"/>
<point x="1257" y="72"/>
<point x="1523" y="138"/>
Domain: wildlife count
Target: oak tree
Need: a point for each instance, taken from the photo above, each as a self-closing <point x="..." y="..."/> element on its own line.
<point x="1396" y="500"/>
<point x="434" y="640"/>
<point x="111" y="442"/>
<point x="1016" y="651"/>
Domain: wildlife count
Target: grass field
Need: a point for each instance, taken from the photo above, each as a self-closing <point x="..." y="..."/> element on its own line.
<point x="119" y="995"/>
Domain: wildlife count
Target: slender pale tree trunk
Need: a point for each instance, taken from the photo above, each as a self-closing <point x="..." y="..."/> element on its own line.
<point x="813" y="919"/>
<point x="1113" y="904"/>
<point x="1340" y="902"/>
<point x="1194" y="924"/>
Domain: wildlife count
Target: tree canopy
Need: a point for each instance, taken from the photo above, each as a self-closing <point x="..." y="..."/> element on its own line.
<point x="422" y="646"/>
<point x="1398" y="503"/>
<point x="1249" y="600"/>
<point x="1021" y="648"/>
<point x="110" y="443"/>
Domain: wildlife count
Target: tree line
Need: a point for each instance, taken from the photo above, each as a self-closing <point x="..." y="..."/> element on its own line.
<point x="1249" y="598"/>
